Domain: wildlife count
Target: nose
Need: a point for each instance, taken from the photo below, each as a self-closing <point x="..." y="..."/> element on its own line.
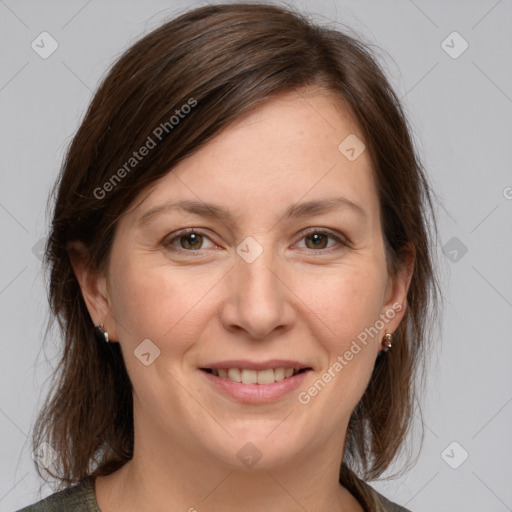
<point x="259" y="302"/>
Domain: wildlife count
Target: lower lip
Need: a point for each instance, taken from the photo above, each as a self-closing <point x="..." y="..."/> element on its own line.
<point x="256" y="393"/>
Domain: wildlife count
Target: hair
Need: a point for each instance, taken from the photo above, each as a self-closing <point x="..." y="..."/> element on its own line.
<point x="223" y="61"/>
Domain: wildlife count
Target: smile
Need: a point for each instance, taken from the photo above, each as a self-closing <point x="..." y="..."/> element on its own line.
<point x="249" y="376"/>
<point x="255" y="386"/>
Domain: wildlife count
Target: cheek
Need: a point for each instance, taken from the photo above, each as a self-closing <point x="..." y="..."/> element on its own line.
<point x="342" y="305"/>
<point x="346" y="302"/>
<point x="347" y="308"/>
<point x="155" y="302"/>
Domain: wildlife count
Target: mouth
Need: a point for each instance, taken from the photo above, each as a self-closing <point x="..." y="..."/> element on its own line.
<point x="248" y="382"/>
<point x="262" y="377"/>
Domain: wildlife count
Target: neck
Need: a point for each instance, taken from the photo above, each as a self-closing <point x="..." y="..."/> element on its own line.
<point x="165" y="475"/>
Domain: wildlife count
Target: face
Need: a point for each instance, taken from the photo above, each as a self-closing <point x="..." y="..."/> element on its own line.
<point x="281" y="269"/>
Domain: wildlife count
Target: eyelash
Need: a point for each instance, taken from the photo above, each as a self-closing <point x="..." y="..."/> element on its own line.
<point x="168" y="242"/>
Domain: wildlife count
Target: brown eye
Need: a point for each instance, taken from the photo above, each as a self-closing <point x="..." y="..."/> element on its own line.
<point x="188" y="240"/>
<point x="317" y="241"/>
<point x="322" y="242"/>
<point x="191" y="241"/>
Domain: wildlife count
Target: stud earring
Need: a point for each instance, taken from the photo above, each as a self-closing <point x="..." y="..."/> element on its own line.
<point x="101" y="333"/>
<point x="386" y="342"/>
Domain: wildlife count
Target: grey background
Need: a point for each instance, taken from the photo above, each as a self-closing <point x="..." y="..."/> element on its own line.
<point x="461" y="111"/>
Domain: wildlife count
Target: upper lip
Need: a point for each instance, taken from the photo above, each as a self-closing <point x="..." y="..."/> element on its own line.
<point x="256" y="365"/>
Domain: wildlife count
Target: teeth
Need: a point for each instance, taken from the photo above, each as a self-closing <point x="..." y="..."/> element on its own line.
<point x="279" y="373"/>
<point x="246" y="376"/>
<point x="266" y="377"/>
<point x="235" y="375"/>
<point x="249" y="376"/>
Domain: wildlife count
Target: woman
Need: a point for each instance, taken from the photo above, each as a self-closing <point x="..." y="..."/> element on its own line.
<point x="240" y="262"/>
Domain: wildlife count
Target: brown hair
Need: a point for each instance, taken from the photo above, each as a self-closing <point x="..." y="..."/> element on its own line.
<point x="222" y="61"/>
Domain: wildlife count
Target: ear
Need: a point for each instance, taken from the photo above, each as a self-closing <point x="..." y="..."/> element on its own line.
<point x="93" y="285"/>
<point x="395" y="303"/>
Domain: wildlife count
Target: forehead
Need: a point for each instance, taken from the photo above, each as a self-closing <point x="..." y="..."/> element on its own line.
<point x="286" y="150"/>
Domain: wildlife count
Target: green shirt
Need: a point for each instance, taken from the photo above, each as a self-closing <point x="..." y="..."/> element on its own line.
<point x="81" y="498"/>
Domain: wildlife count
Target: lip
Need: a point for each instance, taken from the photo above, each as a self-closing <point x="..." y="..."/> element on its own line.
<point x="255" y="393"/>
<point x="256" y="365"/>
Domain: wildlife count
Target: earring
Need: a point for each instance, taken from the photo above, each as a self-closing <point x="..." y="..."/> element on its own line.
<point x="387" y="342"/>
<point x="101" y="333"/>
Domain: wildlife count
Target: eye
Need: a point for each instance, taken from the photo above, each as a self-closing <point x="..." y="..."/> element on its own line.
<point x="318" y="239"/>
<point x="187" y="240"/>
<point x="193" y="240"/>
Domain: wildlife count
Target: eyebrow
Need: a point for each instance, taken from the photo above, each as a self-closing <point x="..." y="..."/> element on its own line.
<point x="297" y="210"/>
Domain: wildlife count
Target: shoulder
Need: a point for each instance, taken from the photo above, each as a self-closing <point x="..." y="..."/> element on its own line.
<point x="382" y="504"/>
<point x="79" y="498"/>
<point x="368" y="497"/>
